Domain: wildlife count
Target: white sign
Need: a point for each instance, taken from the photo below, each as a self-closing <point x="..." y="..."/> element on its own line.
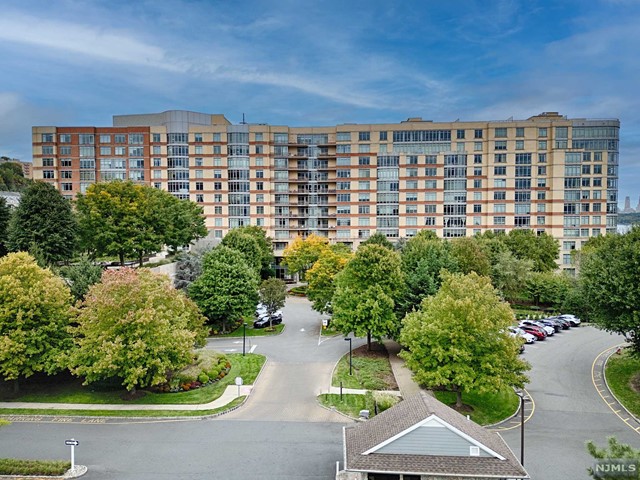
<point x="238" y="381"/>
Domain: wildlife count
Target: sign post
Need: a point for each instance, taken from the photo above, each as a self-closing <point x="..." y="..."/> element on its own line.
<point x="238" y="383"/>
<point x="73" y="443"/>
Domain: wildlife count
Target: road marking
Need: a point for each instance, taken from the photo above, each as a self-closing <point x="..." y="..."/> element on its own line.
<point x="236" y="342"/>
<point x="230" y="349"/>
<point x="599" y="362"/>
<point x="252" y="348"/>
<point x="514" y="420"/>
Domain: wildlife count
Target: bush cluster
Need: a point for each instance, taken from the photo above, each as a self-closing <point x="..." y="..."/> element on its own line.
<point x="13" y="466"/>
<point x="207" y="368"/>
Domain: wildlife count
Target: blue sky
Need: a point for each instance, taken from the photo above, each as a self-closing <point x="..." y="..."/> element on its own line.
<point x="78" y="62"/>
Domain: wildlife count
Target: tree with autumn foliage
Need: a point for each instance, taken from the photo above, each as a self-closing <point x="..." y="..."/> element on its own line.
<point x="136" y="327"/>
<point x="34" y="316"/>
<point x="457" y="341"/>
<point x="367" y="290"/>
<point x="321" y="277"/>
<point x="302" y="253"/>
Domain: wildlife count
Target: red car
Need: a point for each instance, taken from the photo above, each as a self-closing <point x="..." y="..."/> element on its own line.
<point x="538" y="332"/>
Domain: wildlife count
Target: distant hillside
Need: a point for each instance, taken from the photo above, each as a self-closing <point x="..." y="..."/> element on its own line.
<point x="628" y="218"/>
<point x="11" y="177"/>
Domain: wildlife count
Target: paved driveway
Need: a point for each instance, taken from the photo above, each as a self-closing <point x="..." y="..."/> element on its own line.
<point x="298" y="369"/>
<point x="568" y="409"/>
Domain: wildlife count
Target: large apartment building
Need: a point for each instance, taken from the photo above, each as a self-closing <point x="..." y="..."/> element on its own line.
<point x="547" y="173"/>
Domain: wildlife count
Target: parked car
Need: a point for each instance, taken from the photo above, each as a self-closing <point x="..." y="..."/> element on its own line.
<point x="557" y="326"/>
<point x="527" y="337"/>
<point x="573" y="320"/>
<point x="538" y="332"/>
<point x="564" y="324"/>
<point x="263" y="321"/>
<point x="548" y="330"/>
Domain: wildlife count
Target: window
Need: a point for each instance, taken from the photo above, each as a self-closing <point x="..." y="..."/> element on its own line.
<point x="120" y="138"/>
<point x="477" y="171"/>
<point x="343" y="197"/>
<point x="477" y="158"/>
<point x="499" y="195"/>
<point x="198" y="150"/>
<point x="120" y="150"/>
<point x="47" y="162"/>
<point x="499" y="220"/>
<point x="155" y="137"/>
<point x="460" y="134"/>
<point x="501" y="132"/>
<point x="47" y="174"/>
<point x="364" y="148"/>
<point x="477" y="133"/>
<point x="412" y="172"/>
<point x="477" y="146"/>
<point x="47" y="150"/>
<point x="477" y="208"/>
<point x="477" y="183"/>
<point x="64" y="138"/>
<point x="217" y="185"/>
<point x="343" y="148"/>
<point x="363" y="161"/>
<point x="412" y="159"/>
<point x="65" y="174"/>
<point x="67" y="187"/>
<point x="519" y="144"/>
<point x="364" y="136"/>
<point x="562" y="132"/>
<point x="499" y="208"/>
<point x="460" y="147"/>
<point x="343" y="136"/>
<point x="217" y="149"/>
<point x="499" y="170"/>
<point x="430" y="221"/>
<point x="519" y="131"/>
<point x="499" y="183"/>
<point x="383" y="136"/>
<point x="430" y="172"/>
<point x="412" y="184"/>
<point x="542" y="144"/>
<point x="197" y="137"/>
<point x="86" y="139"/>
<point x="362" y="209"/>
<point x="136" y="138"/>
<point x="343" y="173"/>
<point x="501" y="145"/>
<point x="199" y="198"/>
<point x="363" y="185"/>
<point x="542" y="131"/>
<point x="364" y="197"/>
<point x="343" y="186"/>
<point x="259" y="185"/>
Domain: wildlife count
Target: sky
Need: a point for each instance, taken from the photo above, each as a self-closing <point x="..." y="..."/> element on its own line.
<point x="299" y="62"/>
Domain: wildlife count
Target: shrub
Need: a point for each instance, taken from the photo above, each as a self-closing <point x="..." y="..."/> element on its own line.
<point x="203" y="378"/>
<point x="12" y="466"/>
<point x="385" y="401"/>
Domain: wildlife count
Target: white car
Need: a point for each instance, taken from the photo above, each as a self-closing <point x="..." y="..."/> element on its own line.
<point x="572" y="319"/>
<point x="528" y="338"/>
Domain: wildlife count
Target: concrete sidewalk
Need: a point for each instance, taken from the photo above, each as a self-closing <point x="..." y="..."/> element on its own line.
<point x="403" y="375"/>
<point x="230" y="394"/>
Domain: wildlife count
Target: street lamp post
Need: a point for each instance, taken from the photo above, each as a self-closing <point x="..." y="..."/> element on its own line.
<point x="522" y="400"/>
<point x="348" y="339"/>
<point x="244" y="338"/>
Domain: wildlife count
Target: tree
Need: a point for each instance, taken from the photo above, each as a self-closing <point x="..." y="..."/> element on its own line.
<point x="227" y="290"/>
<point x="188" y="269"/>
<point x="457" y="340"/>
<point x="273" y="294"/>
<point x="136" y="327"/>
<point x="301" y="254"/>
<point x="542" y="249"/>
<point x="81" y="276"/>
<point x="266" y="248"/>
<point x="614" y="450"/>
<point x="5" y="215"/>
<point x="321" y="278"/>
<point x="130" y="220"/>
<point x="470" y="255"/>
<point x="379" y="239"/>
<point x="548" y="288"/>
<point x="611" y="279"/>
<point x="246" y="244"/>
<point x="510" y="274"/>
<point x="12" y="177"/>
<point x="367" y="290"/>
<point x="44" y="218"/>
<point x="424" y="257"/>
<point x="34" y="315"/>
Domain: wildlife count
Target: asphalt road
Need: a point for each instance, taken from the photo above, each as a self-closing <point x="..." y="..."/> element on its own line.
<point x="568" y="410"/>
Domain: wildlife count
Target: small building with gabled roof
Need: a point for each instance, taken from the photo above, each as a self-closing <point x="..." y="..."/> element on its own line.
<point x="423" y="439"/>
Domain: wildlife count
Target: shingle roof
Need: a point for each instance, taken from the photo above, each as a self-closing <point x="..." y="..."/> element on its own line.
<point x="362" y="437"/>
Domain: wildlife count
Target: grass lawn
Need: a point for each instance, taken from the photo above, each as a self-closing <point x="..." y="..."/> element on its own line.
<point x="623" y="377"/>
<point x="122" y="413"/>
<point x="12" y="466"/>
<point x="488" y="409"/>
<point x="66" y="389"/>
<point x="371" y="370"/>
<point x="253" y="332"/>
<point x="352" y="404"/>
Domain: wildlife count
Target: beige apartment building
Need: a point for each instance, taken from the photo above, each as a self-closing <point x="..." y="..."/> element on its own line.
<point x="547" y="173"/>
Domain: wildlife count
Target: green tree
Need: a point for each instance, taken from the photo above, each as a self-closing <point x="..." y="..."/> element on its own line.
<point x="136" y="327"/>
<point x="266" y="248"/>
<point x="614" y="450"/>
<point x="227" y="290"/>
<point x="542" y="249"/>
<point x="44" y="218"/>
<point x="611" y="279"/>
<point x="471" y="256"/>
<point x="367" y="290"/>
<point x="424" y="257"/>
<point x="548" y="288"/>
<point x="273" y="294"/>
<point x="130" y="220"/>
<point x="457" y="340"/>
<point x="12" y="177"/>
<point x="5" y="215"/>
<point x="246" y="244"/>
<point x="510" y="274"/>
<point x="321" y="278"/>
<point x="34" y="315"/>
<point x="81" y="276"/>
<point x="301" y="254"/>
<point x="378" y="239"/>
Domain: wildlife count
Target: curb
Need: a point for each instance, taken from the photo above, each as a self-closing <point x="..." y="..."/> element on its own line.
<point x="604" y="377"/>
<point x="77" y="472"/>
